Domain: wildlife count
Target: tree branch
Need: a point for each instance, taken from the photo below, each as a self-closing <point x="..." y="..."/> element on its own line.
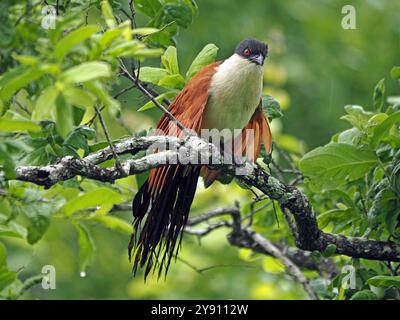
<point x="269" y="248"/>
<point x="246" y="237"/>
<point x="308" y="236"/>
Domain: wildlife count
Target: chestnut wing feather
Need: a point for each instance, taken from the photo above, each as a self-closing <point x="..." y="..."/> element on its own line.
<point x="161" y="206"/>
<point x="187" y="108"/>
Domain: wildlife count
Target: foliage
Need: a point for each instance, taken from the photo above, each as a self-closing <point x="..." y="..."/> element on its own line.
<point x="52" y="80"/>
<point x="50" y="85"/>
<point x="354" y="184"/>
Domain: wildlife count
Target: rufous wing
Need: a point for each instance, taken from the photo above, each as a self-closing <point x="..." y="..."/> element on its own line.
<point x="161" y="206"/>
<point x="187" y="108"/>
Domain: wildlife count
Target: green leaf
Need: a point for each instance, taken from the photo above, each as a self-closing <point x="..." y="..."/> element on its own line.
<point x="78" y="138"/>
<point x="379" y="95"/>
<point x="5" y="207"/>
<point x="329" y="250"/>
<point x="108" y="15"/>
<point x="338" y="217"/>
<point x="178" y="12"/>
<point x="148" y="7"/>
<point x="152" y="75"/>
<point x="86" y="71"/>
<point x="8" y="30"/>
<point x="7" y="162"/>
<point x="145" y="31"/>
<point x="364" y="295"/>
<point x="385" y="281"/>
<point x="134" y="48"/>
<point x="331" y="165"/>
<point x="126" y="49"/>
<point x="10" y="125"/>
<point x="165" y="37"/>
<point x="391" y="219"/>
<point x="3" y="256"/>
<point x="114" y="223"/>
<point x="170" y="60"/>
<point x="206" y="56"/>
<point x="173" y="81"/>
<point x="72" y="39"/>
<point x="13" y="230"/>
<point x="39" y="221"/>
<point x="192" y="5"/>
<point x="17" y="79"/>
<point x="91" y="199"/>
<point x="381" y="129"/>
<point x="26" y="60"/>
<point x="271" y="108"/>
<point x="102" y="94"/>
<point x="86" y="247"/>
<point x="385" y="206"/>
<point x="79" y="97"/>
<point x="38" y="227"/>
<point x="64" y="116"/>
<point x="6" y="277"/>
<point x="109" y="36"/>
<point x="350" y="136"/>
<point x="144" y="52"/>
<point x="159" y="99"/>
<point x="357" y="116"/>
<point x="395" y="73"/>
<point x="45" y="104"/>
<point x="141" y="179"/>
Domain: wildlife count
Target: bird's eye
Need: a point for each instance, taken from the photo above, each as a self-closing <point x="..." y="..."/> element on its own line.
<point x="246" y="52"/>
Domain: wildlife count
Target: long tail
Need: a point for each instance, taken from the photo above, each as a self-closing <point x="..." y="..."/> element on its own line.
<point x="164" y="202"/>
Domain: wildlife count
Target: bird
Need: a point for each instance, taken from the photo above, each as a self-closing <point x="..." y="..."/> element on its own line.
<point x="222" y="95"/>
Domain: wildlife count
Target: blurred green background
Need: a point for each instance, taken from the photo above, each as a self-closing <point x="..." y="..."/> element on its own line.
<point x="314" y="68"/>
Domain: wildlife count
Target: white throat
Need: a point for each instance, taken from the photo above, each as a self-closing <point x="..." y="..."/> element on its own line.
<point x="234" y="94"/>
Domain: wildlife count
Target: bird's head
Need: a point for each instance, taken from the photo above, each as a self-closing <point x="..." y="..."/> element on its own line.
<point x="253" y="50"/>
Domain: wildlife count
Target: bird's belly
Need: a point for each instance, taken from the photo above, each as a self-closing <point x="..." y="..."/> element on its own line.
<point x="231" y="110"/>
<point x="227" y="114"/>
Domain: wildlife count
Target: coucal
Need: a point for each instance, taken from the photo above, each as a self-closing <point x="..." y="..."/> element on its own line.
<point x="222" y="95"/>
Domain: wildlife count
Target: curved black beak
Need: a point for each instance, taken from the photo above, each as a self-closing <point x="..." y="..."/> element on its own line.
<point x="257" y="59"/>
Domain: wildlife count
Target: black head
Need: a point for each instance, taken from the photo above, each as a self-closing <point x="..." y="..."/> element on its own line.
<point x="253" y="50"/>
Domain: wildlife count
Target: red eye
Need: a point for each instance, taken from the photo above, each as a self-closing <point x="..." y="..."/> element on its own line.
<point x="246" y="52"/>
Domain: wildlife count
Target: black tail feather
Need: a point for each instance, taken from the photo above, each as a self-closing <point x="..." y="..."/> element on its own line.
<point x="163" y="215"/>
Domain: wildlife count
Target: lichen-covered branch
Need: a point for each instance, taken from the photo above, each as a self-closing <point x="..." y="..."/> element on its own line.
<point x="246" y="237"/>
<point x="308" y="236"/>
<point x="247" y="234"/>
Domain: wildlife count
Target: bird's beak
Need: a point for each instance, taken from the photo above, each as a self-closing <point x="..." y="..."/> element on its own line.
<point x="258" y="59"/>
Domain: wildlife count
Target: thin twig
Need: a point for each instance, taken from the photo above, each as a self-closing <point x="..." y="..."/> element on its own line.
<point x="150" y="96"/>
<point x="120" y="93"/>
<point x="141" y="37"/>
<point x="21" y="106"/>
<point x="205" y="269"/>
<point x="115" y="155"/>
<point x="291" y="268"/>
<point x="28" y="284"/>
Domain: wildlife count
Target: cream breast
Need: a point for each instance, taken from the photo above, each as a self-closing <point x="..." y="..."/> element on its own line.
<point x="234" y="94"/>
